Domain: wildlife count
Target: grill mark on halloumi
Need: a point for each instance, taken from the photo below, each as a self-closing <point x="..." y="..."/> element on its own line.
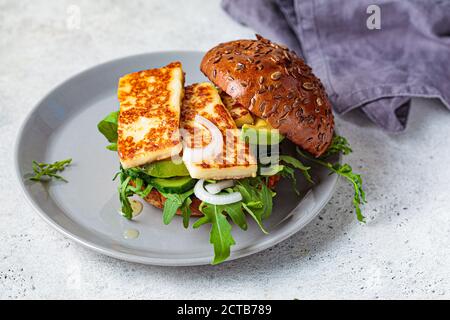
<point x="149" y="118"/>
<point x="237" y="160"/>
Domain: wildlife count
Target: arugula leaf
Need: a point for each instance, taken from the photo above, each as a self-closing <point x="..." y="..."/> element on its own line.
<point x="345" y="171"/>
<point x="173" y="203"/>
<point x="220" y="235"/>
<point x="267" y="204"/>
<point x="127" y="211"/>
<point x="338" y="144"/>
<point x="171" y="206"/>
<point x="235" y="212"/>
<point x="108" y="127"/>
<point x="126" y="190"/>
<point x="355" y="179"/>
<point x="257" y="199"/>
<point x="201" y="221"/>
<point x="139" y="188"/>
<point x="49" y="169"/>
<point x="244" y="188"/>
<point x="134" y="173"/>
<point x="256" y="215"/>
<point x="186" y="211"/>
<point x="289" y="173"/>
<point x="255" y="204"/>
<point x="298" y="165"/>
<point x="112" y="146"/>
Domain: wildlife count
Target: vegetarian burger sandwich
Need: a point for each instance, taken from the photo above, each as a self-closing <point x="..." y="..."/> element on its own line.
<point x="196" y="150"/>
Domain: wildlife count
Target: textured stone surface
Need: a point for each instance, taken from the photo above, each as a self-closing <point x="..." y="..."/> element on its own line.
<point x="402" y="252"/>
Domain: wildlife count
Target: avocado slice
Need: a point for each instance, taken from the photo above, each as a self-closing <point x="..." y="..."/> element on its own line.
<point x="174" y="184"/>
<point x="261" y="123"/>
<point x="263" y="132"/>
<point x="243" y="119"/>
<point x="165" y="169"/>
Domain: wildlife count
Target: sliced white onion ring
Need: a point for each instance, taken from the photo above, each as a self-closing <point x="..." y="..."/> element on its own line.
<point x="216" y="199"/>
<point x="207" y="152"/>
<point x="215" y="188"/>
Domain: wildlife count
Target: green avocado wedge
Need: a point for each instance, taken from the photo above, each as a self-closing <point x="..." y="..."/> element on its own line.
<point x="261" y="135"/>
<point x="165" y="169"/>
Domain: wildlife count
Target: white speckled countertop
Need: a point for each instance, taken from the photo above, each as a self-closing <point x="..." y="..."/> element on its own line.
<point x="402" y="252"/>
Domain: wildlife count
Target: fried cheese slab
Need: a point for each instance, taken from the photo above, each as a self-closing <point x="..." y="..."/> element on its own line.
<point x="237" y="160"/>
<point x="149" y="118"/>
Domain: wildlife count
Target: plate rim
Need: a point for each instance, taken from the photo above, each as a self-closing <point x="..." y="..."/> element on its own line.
<point x="172" y="262"/>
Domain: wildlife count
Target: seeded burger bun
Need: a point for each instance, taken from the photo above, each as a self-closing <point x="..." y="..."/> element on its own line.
<point x="273" y="83"/>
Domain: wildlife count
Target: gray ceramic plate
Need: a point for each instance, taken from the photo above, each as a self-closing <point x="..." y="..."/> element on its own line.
<point x="64" y="125"/>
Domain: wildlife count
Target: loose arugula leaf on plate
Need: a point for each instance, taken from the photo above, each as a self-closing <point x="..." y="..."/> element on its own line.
<point x="50" y="170"/>
<point x="220" y="235"/>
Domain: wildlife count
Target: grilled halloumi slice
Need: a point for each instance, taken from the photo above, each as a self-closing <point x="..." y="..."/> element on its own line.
<point x="149" y="118"/>
<point x="237" y="159"/>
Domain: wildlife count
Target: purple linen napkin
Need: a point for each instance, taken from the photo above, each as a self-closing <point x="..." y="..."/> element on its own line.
<point x="379" y="70"/>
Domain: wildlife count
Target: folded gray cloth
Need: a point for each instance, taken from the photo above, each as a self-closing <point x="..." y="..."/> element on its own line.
<point x="378" y="70"/>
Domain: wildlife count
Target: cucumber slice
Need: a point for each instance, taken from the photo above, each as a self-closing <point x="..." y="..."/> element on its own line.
<point x="173" y="185"/>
